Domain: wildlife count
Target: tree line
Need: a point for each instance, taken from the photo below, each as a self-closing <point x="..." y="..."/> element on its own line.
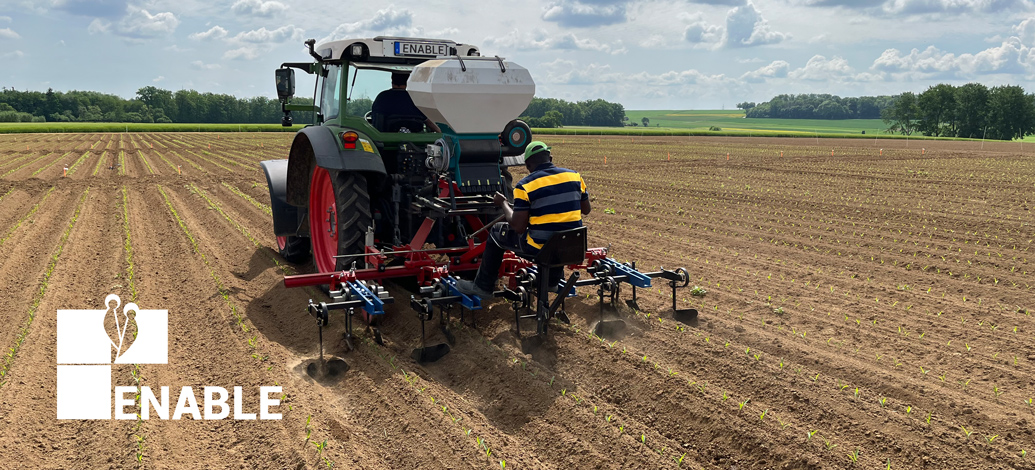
<point x="818" y="106"/>
<point x="553" y="112"/>
<point x="151" y="104"/>
<point x="972" y="110"/>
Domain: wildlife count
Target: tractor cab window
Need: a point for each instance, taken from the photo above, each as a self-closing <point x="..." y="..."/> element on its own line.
<point x="330" y="94"/>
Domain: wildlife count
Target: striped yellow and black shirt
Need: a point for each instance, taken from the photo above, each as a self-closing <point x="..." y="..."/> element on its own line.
<point x="553" y="196"/>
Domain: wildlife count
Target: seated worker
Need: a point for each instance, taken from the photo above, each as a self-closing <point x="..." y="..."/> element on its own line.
<point x="395" y="103"/>
<point x="550" y="199"/>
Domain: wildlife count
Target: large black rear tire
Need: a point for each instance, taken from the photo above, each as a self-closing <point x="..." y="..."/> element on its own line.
<point x="351" y="207"/>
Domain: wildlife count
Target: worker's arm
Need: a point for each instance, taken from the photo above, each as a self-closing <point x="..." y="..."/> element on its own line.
<point x="585" y="197"/>
<point x="518" y="220"/>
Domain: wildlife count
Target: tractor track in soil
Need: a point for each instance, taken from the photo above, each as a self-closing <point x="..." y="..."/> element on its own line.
<point x="752" y="230"/>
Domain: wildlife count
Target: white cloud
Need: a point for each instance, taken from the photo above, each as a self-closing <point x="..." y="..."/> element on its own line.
<point x="8" y="33"/>
<point x="578" y="13"/>
<point x="98" y="26"/>
<point x="653" y="41"/>
<point x="820" y="38"/>
<point x="777" y="69"/>
<point x="158" y="79"/>
<point x="257" y="7"/>
<point x="700" y="32"/>
<point x="142" y="24"/>
<point x="215" y="32"/>
<point x="568" y="72"/>
<point x="899" y="8"/>
<point x="746" y="27"/>
<point x="519" y="40"/>
<point x="263" y="35"/>
<point x="1025" y="31"/>
<point x="388" y="21"/>
<point x="1010" y="57"/>
<point x="246" y="53"/>
<point x="5" y="19"/>
<point x="199" y="65"/>
<point x="821" y="69"/>
<point x="539" y="39"/>
<point x="914" y="7"/>
<point x="13" y="55"/>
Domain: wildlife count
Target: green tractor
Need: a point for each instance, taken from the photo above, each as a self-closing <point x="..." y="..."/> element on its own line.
<point x="352" y="185"/>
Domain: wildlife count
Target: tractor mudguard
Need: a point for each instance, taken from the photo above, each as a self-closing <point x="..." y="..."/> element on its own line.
<point x="320" y="144"/>
<point x="285" y="216"/>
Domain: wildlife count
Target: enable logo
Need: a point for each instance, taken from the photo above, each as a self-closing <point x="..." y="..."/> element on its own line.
<point x="84" y="362"/>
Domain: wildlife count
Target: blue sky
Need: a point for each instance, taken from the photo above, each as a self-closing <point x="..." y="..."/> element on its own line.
<point x="645" y="54"/>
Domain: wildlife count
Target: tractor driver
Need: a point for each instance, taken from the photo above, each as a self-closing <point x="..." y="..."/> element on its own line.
<point x="550" y="199"/>
<point x="395" y="104"/>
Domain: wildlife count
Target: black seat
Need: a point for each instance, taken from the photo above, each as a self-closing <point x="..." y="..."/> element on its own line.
<point x="564" y="248"/>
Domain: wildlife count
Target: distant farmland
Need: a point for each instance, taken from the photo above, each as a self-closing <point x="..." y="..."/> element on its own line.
<point x="734" y="121"/>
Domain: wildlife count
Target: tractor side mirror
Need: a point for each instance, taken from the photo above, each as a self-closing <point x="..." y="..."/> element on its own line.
<point x="285" y="83"/>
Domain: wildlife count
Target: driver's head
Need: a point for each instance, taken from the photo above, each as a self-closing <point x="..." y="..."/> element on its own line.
<point x="399" y="79"/>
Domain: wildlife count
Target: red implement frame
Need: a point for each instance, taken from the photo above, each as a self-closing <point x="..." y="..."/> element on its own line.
<point x="418" y="262"/>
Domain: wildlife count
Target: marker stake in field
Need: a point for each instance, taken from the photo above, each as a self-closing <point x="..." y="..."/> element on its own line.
<point x="66" y="172"/>
<point x="178" y="172"/>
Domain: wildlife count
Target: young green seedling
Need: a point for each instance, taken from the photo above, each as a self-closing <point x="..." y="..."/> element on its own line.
<point x="853" y="457"/>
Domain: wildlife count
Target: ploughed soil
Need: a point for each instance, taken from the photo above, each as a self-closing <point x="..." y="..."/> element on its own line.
<point x="862" y="303"/>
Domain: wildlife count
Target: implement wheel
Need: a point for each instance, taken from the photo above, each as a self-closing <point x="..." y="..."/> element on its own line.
<point x="339" y="215"/>
<point x="293" y="249"/>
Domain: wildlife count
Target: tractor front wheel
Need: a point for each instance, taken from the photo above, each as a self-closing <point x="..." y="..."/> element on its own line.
<point x="339" y="215"/>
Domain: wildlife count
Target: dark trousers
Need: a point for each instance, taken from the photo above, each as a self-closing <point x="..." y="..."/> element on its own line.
<point x="501" y="240"/>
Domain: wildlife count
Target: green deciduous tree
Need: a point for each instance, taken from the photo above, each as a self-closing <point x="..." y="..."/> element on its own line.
<point x="972" y="110"/>
<point x="902" y="115"/>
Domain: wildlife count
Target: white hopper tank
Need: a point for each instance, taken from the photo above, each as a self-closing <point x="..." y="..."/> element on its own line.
<point x="472" y="95"/>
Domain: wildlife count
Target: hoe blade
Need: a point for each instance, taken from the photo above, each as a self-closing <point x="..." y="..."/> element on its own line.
<point x="687" y="316"/>
<point x="430" y="353"/>
<point x="610" y="329"/>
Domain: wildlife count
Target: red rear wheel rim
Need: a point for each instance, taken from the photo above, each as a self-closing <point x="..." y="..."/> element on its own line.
<point x="282" y="242"/>
<point x="323" y="216"/>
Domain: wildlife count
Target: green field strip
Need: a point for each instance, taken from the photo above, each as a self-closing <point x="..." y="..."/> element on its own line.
<point x="26" y="327"/>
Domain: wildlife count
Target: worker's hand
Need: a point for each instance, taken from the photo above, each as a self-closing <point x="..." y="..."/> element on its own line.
<point x="499" y="199"/>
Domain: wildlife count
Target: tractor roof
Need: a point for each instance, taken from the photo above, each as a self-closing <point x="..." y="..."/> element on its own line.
<point x="391" y="52"/>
